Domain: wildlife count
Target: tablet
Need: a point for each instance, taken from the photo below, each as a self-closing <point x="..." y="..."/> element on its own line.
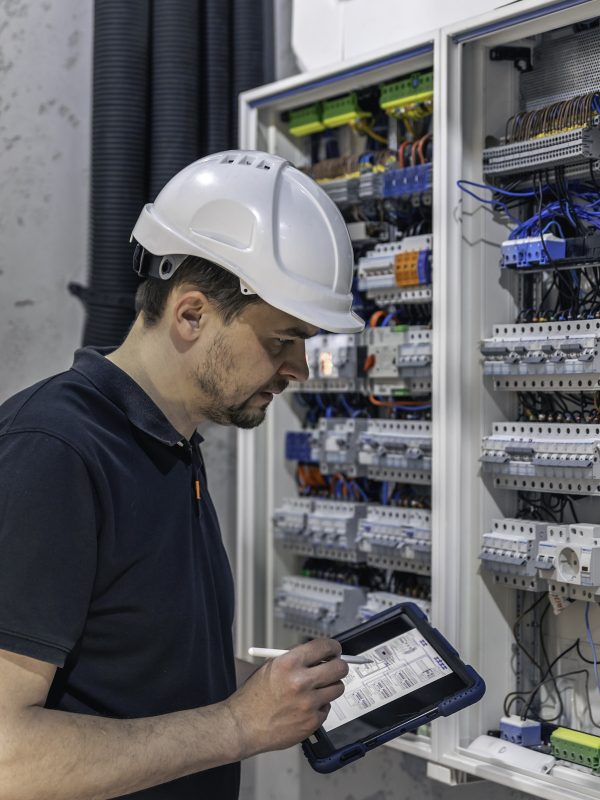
<point x="415" y="676"/>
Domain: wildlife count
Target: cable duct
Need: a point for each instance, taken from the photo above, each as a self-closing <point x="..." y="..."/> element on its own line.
<point x="166" y="78"/>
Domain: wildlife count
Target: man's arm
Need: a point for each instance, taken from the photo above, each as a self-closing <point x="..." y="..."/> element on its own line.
<point x="62" y="756"/>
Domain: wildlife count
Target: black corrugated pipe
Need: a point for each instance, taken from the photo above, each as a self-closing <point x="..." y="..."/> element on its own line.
<point x="217" y="59"/>
<point x="119" y="164"/>
<point x="248" y="29"/>
<point x="199" y="56"/>
<point x="175" y="90"/>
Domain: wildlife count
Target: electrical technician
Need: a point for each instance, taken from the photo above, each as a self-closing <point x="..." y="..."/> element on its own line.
<point x="117" y="672"/>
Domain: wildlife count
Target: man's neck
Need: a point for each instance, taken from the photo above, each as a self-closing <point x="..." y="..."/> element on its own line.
<point x="143" y="359"/>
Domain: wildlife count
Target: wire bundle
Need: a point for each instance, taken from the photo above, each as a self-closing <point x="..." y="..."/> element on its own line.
<point x="555" y="118"/>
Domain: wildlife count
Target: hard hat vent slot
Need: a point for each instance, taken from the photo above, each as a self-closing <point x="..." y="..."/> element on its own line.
<point x="228" y="160"/>
<point x="263" y="165"/>
<point x="247" y="160"/>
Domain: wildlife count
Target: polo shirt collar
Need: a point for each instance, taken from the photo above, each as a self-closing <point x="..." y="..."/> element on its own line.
<point x="124" y="392"/>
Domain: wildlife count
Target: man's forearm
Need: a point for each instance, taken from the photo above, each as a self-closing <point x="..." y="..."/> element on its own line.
<point x="62" y="756"/>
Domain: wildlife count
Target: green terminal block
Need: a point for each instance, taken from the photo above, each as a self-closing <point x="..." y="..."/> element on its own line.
<point x="304" y="121"/>
<point x="342" y="110"/>
<point x="400" y="328"/>
<point x="577" y="747"/>
<point x="417" y="88"/>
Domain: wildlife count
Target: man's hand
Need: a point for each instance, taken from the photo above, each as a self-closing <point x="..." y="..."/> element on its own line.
<point x="289" y="697"/>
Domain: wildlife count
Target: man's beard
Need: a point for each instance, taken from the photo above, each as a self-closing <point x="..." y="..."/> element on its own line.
<point x="219" y="361"/>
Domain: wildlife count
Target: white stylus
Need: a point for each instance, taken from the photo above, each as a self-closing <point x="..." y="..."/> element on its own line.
<point x="270" y="652"/>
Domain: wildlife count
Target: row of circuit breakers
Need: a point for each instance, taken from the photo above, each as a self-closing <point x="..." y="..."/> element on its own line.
<point x="315" y="607"/>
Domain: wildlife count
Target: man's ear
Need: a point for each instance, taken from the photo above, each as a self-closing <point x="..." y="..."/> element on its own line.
<point x="189" y="311"/>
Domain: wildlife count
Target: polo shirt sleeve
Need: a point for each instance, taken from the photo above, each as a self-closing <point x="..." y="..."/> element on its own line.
<point x="48" y="545"/>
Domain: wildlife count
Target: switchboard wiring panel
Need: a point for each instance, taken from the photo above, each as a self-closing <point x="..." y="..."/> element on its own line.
<point x="450" y="454"/>
<point x="527" y="202"/>
<point x="348" y="452"/>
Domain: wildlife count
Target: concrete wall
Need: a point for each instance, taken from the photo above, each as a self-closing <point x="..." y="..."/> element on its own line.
<point x="45" y="103"/>
<point x="45" y="136"/>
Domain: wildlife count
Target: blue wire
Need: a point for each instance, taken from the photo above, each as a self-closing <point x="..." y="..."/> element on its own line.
<point x="596" y="103"/>
<point x="556" y="225"/>
<point x="329" y="411"/>
<point x="493" y="203"/>
<point x="387" y="320"/>
<point x="347" y="407"/>
<point x="591" y="643"/>
<point x="488" y="187"/>
<point x="384" y="493"/>
<point x="361" y="492"/>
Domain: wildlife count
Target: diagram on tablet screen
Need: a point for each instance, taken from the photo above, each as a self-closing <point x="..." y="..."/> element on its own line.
<point x="399" y="666"/>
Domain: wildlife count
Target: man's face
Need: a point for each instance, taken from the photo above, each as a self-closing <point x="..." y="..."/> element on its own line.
<point x="248" y="361"/>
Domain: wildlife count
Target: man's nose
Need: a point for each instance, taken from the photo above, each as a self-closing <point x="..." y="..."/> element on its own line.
<point x="295" y="366"/>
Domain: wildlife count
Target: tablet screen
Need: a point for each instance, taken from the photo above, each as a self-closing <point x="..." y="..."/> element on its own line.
<point x="399" y="666"/>
<point x="406" y="677"/>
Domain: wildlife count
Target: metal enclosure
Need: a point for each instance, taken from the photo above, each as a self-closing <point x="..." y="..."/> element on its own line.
<point x="473" y="97"/>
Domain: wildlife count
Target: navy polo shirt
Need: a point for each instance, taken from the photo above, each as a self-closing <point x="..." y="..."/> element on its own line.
<point x="111" y="568"/>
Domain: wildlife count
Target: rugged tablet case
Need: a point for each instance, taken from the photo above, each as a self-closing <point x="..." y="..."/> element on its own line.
<point x="452" y="704"/>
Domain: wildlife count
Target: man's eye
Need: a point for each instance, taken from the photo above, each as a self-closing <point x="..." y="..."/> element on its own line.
<point x="283" y="342"/>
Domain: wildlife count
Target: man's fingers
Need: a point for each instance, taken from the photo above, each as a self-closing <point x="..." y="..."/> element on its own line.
<point x="328" y="673"/>
<point x="328" y="694"/>
<point x="317" y="650"/>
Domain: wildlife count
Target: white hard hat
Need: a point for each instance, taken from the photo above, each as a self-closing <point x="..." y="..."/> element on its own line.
<point x="266" y="222"/>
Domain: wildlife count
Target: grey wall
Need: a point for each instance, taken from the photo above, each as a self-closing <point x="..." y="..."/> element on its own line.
<point x="45" y="129"/>
<point x="45" y="80"/>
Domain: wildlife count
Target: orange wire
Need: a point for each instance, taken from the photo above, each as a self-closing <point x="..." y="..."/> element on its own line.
<point x="422" y="141"/>
<point x="369" y="362"/>
<point x="401" y="150"/>
<point x="375" y="317"/>
<point x="413" y="150"/>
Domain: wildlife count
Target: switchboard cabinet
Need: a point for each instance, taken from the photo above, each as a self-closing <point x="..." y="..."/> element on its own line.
<point x="449" y="454"/>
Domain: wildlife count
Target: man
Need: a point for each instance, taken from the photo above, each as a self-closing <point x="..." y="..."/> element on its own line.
<point x="116" y="604"/>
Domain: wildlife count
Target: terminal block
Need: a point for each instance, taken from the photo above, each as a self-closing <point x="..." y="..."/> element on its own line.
<point x="401" y="358"/>
<point x="333" y="364"/>
<point x="542" y="152"/>
<point x="408" y="181"/>
<point x="551" y="457"/>
<point x="381" y="601"/>
<point x="290" y="525"/>
<point x="338" y="445"/>
<point x="544" y="356"/>
<point x="412" y="267"/>
<point x="509" y="552"/>
<point x="343" y="191"/>
<point x="301" y="446"/>
<point x="526" y="732"/>
<point x="576" y="747"/>
<point x="571" y="555"/>
<point x="533" y="251"/>
<point x="396" y="538"/>
<point x="395" y="450"/>
<point x="316" y="607"/>
<point x="370" y="184"/>
<point x="410" y="259"/>
<point x="332" y="527"/>
<point x="306" y="120"/>
<point x="416" y="88"/>
<point x="342" y="110"/>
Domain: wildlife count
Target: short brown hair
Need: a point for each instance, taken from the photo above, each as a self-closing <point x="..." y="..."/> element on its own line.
<point x="221" y="287"/>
